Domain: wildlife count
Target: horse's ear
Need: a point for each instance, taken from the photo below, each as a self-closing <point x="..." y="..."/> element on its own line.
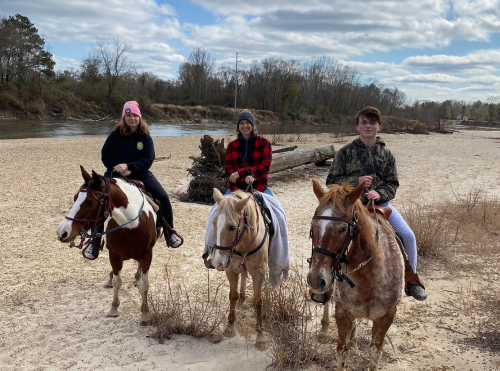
<point x="217" y="195"/>
<point x="96" y="179"/>
<point x="242" y="203"/>
<point x="356" y="193"/>
<point x="86" y="176"/>
<point x="318" y="189"/>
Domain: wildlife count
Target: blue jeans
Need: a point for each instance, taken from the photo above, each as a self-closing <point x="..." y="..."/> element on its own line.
<point x="399" y="224"/>
<point x="267" y="191"/>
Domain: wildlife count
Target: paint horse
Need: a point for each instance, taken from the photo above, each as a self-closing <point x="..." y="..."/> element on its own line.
<point x="241" y="245"/>
<point x="351" y="246"/>
<point x="129" y="229"/>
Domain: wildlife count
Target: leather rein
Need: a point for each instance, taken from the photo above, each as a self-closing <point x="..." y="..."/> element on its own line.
<point x="340" y="257"/>
<point x="103" y="197"/>
<point x="239" y="235"/>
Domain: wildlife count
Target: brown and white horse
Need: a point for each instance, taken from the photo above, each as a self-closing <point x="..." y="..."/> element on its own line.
<point x="241" y="245"/>
<point x="350" y="245"/>
<point x="130" y="221"/>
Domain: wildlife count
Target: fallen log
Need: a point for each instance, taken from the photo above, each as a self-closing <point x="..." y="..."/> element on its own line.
<point x="289" y="160"/>
<point x="286" y="149"/>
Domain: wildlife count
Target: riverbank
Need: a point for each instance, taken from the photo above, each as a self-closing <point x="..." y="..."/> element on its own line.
<point x="53" y="307"/>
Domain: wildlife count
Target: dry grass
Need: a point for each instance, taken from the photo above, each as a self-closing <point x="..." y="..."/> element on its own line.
<point x="288" y="314"/>
<point x="468" y="223"/>
<point x="195" y="311"/>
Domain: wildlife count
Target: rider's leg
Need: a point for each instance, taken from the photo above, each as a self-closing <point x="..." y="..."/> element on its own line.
<point x="414" y="285"/>
<point x="153" y="186"/>
<point x="94" y="249"/>
<point x="267" y="191"/>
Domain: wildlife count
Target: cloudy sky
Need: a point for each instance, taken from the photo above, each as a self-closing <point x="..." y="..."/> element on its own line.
<point x="430" y="49"/>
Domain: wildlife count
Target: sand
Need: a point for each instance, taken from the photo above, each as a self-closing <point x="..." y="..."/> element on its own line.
<point x="53" y="304"/>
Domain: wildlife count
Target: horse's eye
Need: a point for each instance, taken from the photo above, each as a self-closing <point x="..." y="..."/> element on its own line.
<point x="89" y="203"/>
<point x="232" y="227"/>
<point x="343" y="230"/>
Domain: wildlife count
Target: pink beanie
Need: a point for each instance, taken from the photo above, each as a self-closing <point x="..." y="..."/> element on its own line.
<point x="131" y="107"/>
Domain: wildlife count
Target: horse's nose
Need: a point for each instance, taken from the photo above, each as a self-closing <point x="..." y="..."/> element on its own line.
<point x="63" y="236"/>
<point x="322" y="284"/>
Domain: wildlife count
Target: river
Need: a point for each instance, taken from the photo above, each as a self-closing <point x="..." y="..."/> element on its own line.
<point x="19" y="129"/>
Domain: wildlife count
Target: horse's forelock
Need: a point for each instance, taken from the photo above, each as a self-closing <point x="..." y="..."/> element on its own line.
<point x="228" y="206"/>
<point x="336" y="195"/>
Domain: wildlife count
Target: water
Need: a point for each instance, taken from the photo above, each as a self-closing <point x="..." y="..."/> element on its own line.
<point x="10" y="129"/>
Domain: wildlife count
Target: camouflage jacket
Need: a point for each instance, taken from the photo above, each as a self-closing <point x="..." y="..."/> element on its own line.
<point x="355" y="160"/>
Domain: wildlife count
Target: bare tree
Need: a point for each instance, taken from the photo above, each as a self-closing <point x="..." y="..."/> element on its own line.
<point x="195" y="73"/>
<point x="114" y="63"/>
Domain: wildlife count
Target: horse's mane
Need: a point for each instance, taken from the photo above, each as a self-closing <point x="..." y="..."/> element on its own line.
<point x="335" y="195"/>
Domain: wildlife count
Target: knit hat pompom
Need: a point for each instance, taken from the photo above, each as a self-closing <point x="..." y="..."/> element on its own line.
<point x="245" y="115"/>
<point x="131" y="107"/>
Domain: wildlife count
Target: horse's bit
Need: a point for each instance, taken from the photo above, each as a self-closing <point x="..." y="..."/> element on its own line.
<point x="340" y="257"/>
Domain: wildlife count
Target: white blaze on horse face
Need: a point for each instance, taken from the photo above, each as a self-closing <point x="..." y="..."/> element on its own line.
<point x="66" y="225"/>
<point x="219" y="261"/>
<point x="323" y="225"/>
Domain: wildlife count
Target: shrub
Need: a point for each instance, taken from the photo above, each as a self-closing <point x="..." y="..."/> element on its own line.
<point x="7" y="101"/>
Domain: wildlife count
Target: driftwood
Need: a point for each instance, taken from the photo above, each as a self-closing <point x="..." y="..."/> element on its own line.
<point x="286" y="149"/>
<point x="288" y="160"/>
<point x="207" y="171"/>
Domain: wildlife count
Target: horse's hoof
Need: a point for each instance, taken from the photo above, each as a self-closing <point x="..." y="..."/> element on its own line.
<point x="145" y="323"/>
<point x="229" y="332"/>
<point x="323" y="338"/>
<point x="113" y="313"/>
<point x="108" y="286"/>
<point x="261" y="344"/>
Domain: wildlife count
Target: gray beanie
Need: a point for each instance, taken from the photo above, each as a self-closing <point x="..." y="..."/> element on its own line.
<point x="245" y="115"/>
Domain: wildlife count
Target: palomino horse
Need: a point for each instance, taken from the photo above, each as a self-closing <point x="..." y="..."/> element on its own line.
<point x="241" y="245"/>
<point x="129" y="229"/>
<point x="344" y="233"/>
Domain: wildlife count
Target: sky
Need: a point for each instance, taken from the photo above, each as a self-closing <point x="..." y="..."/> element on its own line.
<point x="429" y="49"/>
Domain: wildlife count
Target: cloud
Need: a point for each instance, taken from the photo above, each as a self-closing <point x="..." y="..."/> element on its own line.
<point x="479" y="60"/>
<point x="64" y="63"/>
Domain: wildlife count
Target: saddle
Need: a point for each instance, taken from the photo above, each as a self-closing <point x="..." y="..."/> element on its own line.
<point x="266" y="213"/>
<point x="381" y="210"/>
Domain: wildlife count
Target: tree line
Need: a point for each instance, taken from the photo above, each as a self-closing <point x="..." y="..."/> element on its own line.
<point x="107" y="77"/>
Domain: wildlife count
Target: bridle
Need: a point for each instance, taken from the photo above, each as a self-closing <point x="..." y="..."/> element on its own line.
<point x="239" y="235"/>
<point x="340" y="257"/>
<point x="103" y="198"/>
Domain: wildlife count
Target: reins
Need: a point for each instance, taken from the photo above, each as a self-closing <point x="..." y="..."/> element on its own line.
<point x="341" y="257"/>
<point x="237" y="238"/>
<point x="104" y="202"/>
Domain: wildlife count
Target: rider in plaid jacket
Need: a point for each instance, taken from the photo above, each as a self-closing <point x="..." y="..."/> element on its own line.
<point x="249" y="157"/>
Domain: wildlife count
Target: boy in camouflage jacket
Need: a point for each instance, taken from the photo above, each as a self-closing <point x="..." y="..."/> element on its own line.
<point x="367" y="159"/>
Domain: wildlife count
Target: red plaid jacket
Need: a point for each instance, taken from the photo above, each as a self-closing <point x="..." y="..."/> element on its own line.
<point x="245" y="157"/>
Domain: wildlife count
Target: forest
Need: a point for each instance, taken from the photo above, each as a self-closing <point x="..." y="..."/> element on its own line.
<point x="32" y="87"/>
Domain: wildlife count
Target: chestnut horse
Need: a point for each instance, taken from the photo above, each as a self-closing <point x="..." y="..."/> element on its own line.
<point x="351" y="246"/>
<point x="241" y="245"/>
<point x="129" y="229"/>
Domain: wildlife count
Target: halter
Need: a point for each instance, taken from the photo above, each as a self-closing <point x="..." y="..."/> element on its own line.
<point x="340" y="257"/>
<point x="237" y="238"/>
<point x="103" y="198"/>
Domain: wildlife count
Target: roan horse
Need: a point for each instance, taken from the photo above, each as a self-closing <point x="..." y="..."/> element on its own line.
<point x="241" y="245"/>
<point x="344" y="233"/>
<point x="129" y="229"/>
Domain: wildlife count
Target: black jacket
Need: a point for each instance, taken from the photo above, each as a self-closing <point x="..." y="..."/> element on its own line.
<point x="137" y="151"/>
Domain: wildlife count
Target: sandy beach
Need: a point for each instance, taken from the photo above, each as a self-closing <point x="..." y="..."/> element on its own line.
<point x="53" y="304"/>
